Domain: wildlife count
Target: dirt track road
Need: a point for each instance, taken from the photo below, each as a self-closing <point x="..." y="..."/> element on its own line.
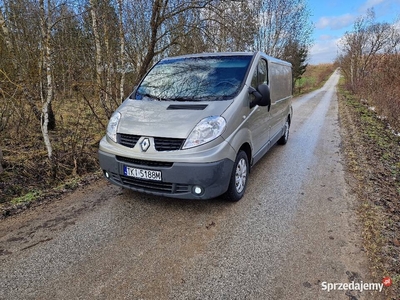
<point x="294" y="229"/>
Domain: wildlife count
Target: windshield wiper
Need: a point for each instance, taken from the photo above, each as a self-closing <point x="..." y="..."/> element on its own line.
<point x="151" y="96"/>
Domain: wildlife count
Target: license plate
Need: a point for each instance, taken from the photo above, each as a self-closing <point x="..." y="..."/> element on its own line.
<point x="142" y="173"/>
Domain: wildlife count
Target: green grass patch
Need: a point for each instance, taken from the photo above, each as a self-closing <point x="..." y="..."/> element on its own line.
<point x="29" y="197"/>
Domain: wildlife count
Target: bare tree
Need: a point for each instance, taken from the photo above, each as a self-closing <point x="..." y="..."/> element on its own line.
<point x="94" y="11"/>
<point x="7" y="38"/>
<point x="156" y="25"/>
<point x="370" y="62"/>
<point x="361" y="45"/>
<point x="230" y="25"/>
<point x="19" y="76"/>
<point x="282" y="21"/>
<point x="48" y="87"/>
<point x="122" y="56"/>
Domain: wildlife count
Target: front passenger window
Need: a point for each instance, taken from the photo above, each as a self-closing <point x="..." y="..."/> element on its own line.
<point x="260" y="76"/>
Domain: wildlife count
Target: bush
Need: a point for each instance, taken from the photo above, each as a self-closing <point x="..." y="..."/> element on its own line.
<point x="380" y="87"/>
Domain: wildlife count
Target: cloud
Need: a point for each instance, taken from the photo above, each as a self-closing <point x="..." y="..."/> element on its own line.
<point x="325" y="37"/>
<point x="325" y="50"/>
<point x="337" y="22"/>
<point x="327" y="47"/>
<point x="369" y="4"/>
<point x="382" y="7"/>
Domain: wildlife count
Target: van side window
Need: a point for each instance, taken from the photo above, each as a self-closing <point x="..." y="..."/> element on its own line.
<point x="260" y="76"/>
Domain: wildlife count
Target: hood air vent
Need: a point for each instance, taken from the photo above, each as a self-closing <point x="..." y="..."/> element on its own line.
<point x="187" y="107"/>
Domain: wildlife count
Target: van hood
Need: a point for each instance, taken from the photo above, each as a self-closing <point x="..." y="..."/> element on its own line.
<point x="166" y="118"/>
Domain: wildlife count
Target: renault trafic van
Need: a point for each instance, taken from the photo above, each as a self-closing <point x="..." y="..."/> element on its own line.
<point x="195" y="125"/>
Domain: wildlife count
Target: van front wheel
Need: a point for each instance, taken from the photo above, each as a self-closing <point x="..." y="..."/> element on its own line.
<point x="238" y="181"/>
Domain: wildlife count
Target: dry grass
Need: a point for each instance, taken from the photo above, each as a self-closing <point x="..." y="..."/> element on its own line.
<point x="372" y="154"/>
<point x="75" y="144"/>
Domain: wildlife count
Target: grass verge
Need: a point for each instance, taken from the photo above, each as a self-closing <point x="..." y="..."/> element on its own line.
<point x="372" y="154"/>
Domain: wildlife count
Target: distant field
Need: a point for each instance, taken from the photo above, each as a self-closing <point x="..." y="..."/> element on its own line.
<point x="314" y="77"/>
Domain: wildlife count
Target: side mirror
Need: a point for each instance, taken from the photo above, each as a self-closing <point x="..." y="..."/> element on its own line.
<point x="261" y="96"/>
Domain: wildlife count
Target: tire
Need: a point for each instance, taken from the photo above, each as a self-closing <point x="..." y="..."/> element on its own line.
<point x="238" y="181"/>
<point x="284" y="138"/>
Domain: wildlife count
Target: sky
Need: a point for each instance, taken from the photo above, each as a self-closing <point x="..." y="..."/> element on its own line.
<point x="333" y="18"/>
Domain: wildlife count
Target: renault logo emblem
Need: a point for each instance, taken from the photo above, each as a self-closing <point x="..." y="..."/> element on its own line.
<point x="145" y="144"/>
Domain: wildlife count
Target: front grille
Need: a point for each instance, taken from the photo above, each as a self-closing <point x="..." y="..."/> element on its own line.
<point x="127" y="140"/>
<point x="168" y="144"/>
<point x="160" y="143"/>
<point x="155" y="186"/>
<point x="147" y="163"/>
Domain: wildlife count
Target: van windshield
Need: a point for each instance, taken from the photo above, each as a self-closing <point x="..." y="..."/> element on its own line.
<point x="195" y="79"/>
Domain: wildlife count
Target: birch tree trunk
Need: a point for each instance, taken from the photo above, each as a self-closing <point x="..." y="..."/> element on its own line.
<point x="122" y="60"/>
<point x="48" y="89"/>
<point x="99" y="56"/>
<point x="107" y="65"/>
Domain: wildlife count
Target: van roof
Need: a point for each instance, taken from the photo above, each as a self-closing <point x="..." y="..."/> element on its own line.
<point x="211" y="54"/>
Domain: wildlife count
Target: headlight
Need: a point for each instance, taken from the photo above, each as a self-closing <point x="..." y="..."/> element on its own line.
<point x="113" y="126"/>
<point x="205" y="131"/>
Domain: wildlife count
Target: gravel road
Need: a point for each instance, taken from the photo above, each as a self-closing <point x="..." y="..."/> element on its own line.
<point x="294" y="229"/>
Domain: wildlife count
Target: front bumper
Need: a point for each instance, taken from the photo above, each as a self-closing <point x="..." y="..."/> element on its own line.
<point x="179" y="179"/>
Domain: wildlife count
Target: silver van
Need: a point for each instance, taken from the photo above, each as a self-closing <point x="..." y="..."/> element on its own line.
<point x="196" y="124"/>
